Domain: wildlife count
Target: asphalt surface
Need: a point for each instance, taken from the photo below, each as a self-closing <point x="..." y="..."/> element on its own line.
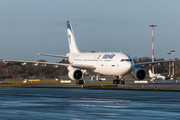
<point x="127" y="85"/>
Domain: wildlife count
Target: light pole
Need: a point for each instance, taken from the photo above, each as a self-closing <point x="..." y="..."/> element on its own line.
<point x="172" y="51"/>
<point x="152" y="46"/>
<point x="169" y="64"/>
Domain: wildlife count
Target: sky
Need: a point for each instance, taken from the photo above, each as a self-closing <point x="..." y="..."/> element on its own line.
<point x="28" y="27"/>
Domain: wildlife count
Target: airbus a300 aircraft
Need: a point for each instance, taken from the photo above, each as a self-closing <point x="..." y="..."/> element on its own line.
<point x="107" y="63"/>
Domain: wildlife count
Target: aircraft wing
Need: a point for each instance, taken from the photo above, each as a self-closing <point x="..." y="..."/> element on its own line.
<point x="35" y="62"/>
<point x="80" y="66"/>
<point x="145" y="63"/>
<point x="53" y="55"/>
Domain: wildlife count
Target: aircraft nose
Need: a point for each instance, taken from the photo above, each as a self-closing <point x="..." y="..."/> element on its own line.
<point x="129" y="66"/>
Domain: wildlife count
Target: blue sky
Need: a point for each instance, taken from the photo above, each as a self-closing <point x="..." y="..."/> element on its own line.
<point x="28" y="27"/>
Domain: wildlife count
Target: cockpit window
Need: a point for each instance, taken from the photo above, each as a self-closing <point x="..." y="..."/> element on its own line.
<point x="122" y="60"/>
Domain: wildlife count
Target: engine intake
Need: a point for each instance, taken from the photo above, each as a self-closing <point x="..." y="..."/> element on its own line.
<point x="138" y="74"/>
<point x="75" y="74"/>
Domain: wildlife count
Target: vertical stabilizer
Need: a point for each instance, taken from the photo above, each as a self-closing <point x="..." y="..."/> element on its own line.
<point x="151" y="74"/>
<point x="72" y="42"/>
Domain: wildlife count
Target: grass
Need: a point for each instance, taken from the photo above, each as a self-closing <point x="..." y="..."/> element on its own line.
<point x="19" y="83"/>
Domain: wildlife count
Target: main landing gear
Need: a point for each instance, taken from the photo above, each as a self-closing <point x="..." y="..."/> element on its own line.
<point x="79" y="82"/>
<point x="118" y="81"/>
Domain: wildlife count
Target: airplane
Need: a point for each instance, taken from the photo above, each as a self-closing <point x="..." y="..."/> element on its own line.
<point x="95" y="63"/>
<point x="157" y="76"/>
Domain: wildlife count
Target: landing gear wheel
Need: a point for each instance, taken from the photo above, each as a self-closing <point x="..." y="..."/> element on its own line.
<point x="123" y="82"/>
<point x="118" y="81"/>
<point x="114" y="81"/>
<point x="79" y="82"/>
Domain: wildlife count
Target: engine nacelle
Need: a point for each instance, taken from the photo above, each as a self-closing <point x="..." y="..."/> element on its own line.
<point x="75" y="74"/>
<point x="138" y="74"/>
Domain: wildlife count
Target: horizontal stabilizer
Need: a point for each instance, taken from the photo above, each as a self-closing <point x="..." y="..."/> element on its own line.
<point x="53" y="55"/>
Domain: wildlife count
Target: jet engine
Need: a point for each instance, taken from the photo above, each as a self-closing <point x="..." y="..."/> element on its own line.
<point x="75" y="74"/>
<point x="138" y="74"/>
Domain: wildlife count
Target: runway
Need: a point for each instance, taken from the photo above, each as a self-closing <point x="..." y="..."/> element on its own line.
<point x="106" y="84"/>
<point x="87" y="104"/>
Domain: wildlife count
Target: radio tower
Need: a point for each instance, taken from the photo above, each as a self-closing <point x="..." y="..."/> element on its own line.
<point x="173" y="62"/>
<point x="152" y="46"/>
<point x="169" y="63"/>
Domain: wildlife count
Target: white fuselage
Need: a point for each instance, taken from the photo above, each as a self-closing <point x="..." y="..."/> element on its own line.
<point x="105" y="63"/>
<point x="158" y="77"/>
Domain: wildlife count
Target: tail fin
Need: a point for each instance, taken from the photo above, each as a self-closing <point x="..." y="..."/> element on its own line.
<point x="72" y="42"/>
<point x="150" y="73"/>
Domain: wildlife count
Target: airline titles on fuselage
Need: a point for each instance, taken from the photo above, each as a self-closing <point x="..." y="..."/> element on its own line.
<point x="106" y="56"/>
